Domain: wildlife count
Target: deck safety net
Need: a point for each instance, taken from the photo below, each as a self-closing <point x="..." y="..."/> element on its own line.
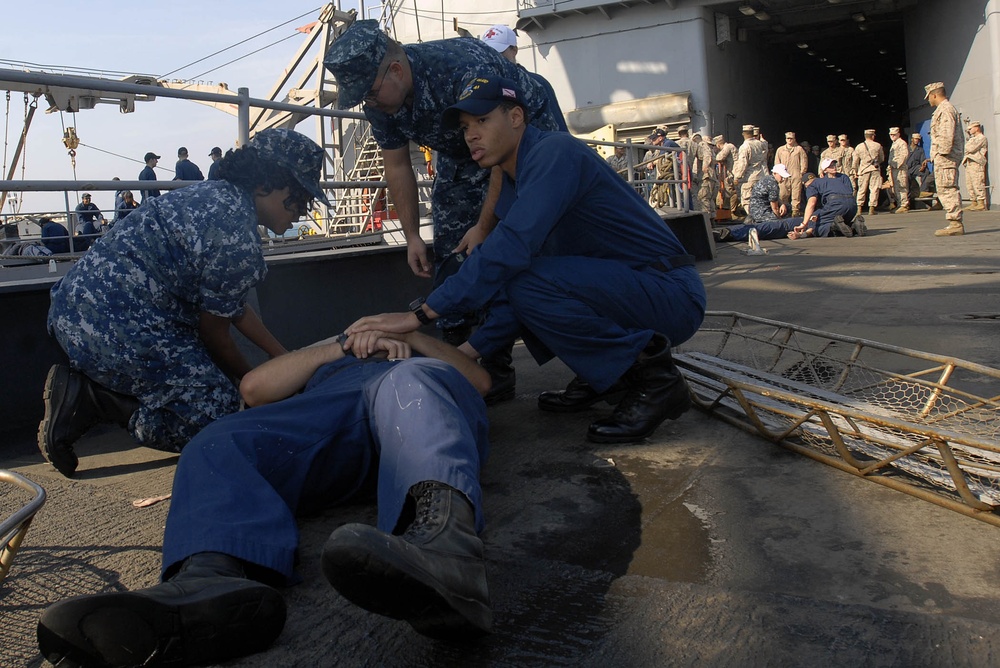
<point x="923" y="423"/>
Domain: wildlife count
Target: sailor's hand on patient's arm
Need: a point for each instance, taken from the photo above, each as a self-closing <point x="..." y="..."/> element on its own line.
<point x="365" y="344"/>
<point x="391" y="323"/>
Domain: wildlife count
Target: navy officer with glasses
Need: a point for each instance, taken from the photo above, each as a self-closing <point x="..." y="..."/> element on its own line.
<point x="405" y="89"/>
<point x="145" y="317"/>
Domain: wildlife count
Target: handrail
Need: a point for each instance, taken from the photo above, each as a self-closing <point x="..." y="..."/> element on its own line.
<point x="14" y="528"/>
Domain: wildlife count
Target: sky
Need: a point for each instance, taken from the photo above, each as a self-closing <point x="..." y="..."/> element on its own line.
<point x="121" y="37"/>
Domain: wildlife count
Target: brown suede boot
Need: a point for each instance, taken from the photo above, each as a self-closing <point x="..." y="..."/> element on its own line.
<point x="955" y="229"/>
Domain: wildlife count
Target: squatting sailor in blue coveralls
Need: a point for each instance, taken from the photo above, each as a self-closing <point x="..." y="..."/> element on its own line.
<point x="145" y="316"/>
<point x="579" y="267"/>
<point x="405" y="89"/>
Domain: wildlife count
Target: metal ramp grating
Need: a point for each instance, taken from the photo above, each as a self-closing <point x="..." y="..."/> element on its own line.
<point x="921" y="423"/>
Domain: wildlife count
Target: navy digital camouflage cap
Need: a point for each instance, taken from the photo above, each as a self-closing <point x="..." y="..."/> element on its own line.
<point x="295" y="152"/>
<point x="354" y="59"/>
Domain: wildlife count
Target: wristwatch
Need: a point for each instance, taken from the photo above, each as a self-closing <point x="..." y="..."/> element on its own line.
<point x="417" y="307"/>
<point x="342" y="339"/>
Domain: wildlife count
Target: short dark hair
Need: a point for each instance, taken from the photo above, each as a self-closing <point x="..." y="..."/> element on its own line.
<point x="245" y="169"/>
<point x="507" y="105"/>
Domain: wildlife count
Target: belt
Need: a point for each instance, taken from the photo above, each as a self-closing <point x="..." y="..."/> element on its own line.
<point x="673" y="262"/>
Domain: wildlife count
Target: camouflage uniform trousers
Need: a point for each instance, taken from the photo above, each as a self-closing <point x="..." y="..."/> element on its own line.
<point x="746" y="187"/>
<point x="180" y="390"/>
<point x="869" y="184"/>
<point x="707" y="193"/>
<point x="456" y="202"/>
<point x="946" y="178"/>
<point x="975" y="181"/>
<point x="901" y="186"/>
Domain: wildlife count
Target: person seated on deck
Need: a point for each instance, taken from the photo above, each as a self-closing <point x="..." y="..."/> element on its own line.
<point x="352" y="431"/>
<point x="579" y="267"/>
<point x="55" y="236"/>
<point x="830" y="209"/>
<point x="145" y="316"/>
<point x="91" y="220"/>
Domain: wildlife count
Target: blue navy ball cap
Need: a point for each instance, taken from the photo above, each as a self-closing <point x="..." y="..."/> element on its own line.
<point x="481" y="96"/>
<point x="354" y="59"/>
<point x="295" y="152"/>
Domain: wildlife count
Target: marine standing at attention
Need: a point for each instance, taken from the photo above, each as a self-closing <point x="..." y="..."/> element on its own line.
<point x="947" y="150"/>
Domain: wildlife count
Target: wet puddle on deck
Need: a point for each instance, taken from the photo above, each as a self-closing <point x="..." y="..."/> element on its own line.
<point x="676" y="539"/>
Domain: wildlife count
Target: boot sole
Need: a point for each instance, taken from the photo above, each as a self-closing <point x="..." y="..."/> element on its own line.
<point x="129" y="629"/>
<point x="674" y="414"/>
<point x="494" y="399"/>
<point x="612" y="399"/>
<point x="396" y="588"/>
<point x="63" y="458"/>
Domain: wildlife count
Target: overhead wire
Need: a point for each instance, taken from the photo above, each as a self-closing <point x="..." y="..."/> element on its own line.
<point x="244" y="41"/>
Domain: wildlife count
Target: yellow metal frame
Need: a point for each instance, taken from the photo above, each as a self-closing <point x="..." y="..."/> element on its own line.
<point x="14" y="528"/>
<point x="888" y="414"/>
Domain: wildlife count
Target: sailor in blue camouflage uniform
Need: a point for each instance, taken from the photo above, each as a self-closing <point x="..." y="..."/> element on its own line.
<point x="405" y="89"/>
<point x="588" y="272"/>
<point x="145" y="317"/>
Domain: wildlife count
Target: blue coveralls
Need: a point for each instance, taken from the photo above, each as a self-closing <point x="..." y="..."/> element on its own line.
<point x="766" y="229"/>
<point x="147" y="174"/>
<point x="127" y="313"/>
<point x="835" y="198"/>
<point x="52" y="229"/>
<point x="185" y="170"/>
<point x="572" y="267"/>
<point x="359" y="424"/>
<point x="441" y="70"/>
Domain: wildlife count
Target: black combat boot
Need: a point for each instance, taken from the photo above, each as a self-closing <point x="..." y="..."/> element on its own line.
<point x="433" y="575"/>
<point x="579" y="396"/>
<point x="502" y="375"/>
<point x="207" y="612"/>
<point x="657" y="391"/>
<point x="73" y="404"/>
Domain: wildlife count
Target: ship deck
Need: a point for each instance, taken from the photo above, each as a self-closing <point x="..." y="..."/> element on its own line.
<point x="705" y="545"/>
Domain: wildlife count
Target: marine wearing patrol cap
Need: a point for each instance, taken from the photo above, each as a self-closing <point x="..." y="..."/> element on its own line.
<point x="916" y="135"/>
<point x="354" y="59"/>
<point x="931" y="87"/>
<point x="870" y="133"/>
<point x="789" y="135"/>
<point x="295" y="152"/>
<point x="842" y="137"/>
<point x="717" y="138"/>
<point x="833" y="137"/>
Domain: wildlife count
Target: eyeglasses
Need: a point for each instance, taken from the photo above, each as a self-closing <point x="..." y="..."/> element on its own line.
<point x="372" y="97"/>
